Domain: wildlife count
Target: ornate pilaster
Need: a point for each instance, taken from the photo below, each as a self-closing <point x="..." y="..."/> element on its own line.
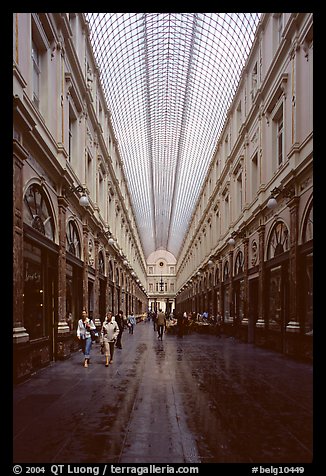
<point x="219" y="288"/>
<point x="19" y="332"/>
<point x="63" y="327"/>
<point x="108" y="298"/>
<point x="85" y="267"/>
<point x="261" y="280"/>
<point x="231" y="318"/>
<point x="97" y="320"/>
<point x="293" y="325"/>
<point x="245" y="282"/>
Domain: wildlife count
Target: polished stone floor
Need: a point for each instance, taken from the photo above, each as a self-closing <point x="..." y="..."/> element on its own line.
<point x="196" y="399"/>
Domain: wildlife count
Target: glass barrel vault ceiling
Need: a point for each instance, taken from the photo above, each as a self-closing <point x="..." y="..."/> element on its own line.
<point x="169" y="79"/>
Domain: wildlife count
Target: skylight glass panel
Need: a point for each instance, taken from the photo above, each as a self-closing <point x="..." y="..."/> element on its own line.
<point x="169" y="79"/>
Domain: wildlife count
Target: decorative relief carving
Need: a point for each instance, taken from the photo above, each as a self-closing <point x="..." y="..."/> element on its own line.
<point x="90" y="252"/>
<point x="304" y="184"/>
<point x="254" y="252"/>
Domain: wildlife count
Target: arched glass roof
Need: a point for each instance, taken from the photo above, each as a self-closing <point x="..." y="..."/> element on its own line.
<point x="169" y="79"/>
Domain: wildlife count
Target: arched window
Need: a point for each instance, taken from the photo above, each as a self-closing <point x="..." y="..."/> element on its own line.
<point x="37" y="211"/>
<point x="216" y="276"/>
<point x="308" y="230"/>
<point x="73" y="245"/>
<point x="101" y="263"/>
<point x="226" y="271"/>
<point x="110" y="271"/>
<point x="238" y="265"/>
<point x="279" y="240"/>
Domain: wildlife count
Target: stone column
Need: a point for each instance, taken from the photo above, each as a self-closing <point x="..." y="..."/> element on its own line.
<point x="261" y="280"/>
<point x="231" y="287"/>
<point x="85" y="267"/>
<point x="220" y="306"/>
<point x="245" y="282"/>
<point x="293" y="325"/>
<point x="63" y="327"/>
<point x="108" y="302"/>
<point x="97" y="320"/>
<point x="19" y="332"/>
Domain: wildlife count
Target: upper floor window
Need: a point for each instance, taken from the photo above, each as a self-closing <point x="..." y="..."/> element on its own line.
<point x="226" y="211"/>
<point x="36" y="74"/>
<point x="254" y="81"/>
<point x="280" y="26"/>
<point x="239" y="193"/>
<point x="254" y="175"/>
<point x="280" y="142"/>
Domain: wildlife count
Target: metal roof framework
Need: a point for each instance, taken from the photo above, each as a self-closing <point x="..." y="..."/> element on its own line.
<point x="169" y="80"/>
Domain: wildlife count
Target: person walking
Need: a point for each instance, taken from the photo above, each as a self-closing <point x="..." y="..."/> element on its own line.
<point x="84" y="327"/>
<point x="109" y="334"/>
<point x="120" y="322"/>
<point x="161" y="323"/>
<point x="154" y="320"/>
<point x="131" y="323"/>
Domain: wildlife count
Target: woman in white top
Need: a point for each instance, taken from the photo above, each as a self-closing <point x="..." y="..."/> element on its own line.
<point x="109" y="334"/>
<point x="84" y="327"/>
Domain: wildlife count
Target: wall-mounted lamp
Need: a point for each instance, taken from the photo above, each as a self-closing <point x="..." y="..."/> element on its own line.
<point x="111" y="240"/>
<point x="210" y="263"/>
<point x="83" y="200"/>
<point x="286" y="192"/>
<point x="231" y="240"/>
<point x="125" y="262"/>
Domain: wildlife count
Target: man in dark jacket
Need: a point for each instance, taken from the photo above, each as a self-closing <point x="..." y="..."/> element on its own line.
<point x="120" y="322"/>
<point x="161" y="323"/>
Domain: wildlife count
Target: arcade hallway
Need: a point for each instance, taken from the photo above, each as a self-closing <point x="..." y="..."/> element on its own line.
<point x="196" y="399"/>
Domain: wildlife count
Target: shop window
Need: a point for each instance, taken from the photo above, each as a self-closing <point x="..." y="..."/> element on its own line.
<point x="308" y="294"/>
<point x="33" y="298"/>
<point x="308" y="274"/>
<point x="37" y="211"/>
<point x="275" y="298"/>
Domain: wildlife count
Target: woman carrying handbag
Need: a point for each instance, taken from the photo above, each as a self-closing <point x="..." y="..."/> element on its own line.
<point x="109" y="334"/>
<point x="84" y="327"/>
